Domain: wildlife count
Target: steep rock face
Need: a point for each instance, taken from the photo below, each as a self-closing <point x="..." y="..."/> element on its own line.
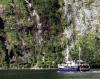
<point x="82" y="17"/>
<point x="35" y="38"/>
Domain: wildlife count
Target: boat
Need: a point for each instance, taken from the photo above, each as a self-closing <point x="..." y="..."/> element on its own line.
<point x="73" y="65"/>
<point x="83" y="66"/>
<point x="69" y="66"/>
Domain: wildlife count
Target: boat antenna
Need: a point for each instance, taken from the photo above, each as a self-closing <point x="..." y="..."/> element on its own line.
<point x="79" y="54"/>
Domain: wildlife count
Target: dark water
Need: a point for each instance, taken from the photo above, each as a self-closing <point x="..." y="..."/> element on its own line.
<point x="47" y="74"/>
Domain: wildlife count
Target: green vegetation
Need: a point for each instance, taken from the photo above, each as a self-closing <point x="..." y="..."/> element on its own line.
<point x="4" y="1"/>
<point x="90" y="49"/>
<point x="22" y="45"/>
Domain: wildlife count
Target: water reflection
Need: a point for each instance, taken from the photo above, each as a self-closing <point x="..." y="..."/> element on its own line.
<point x="47" y="74"/>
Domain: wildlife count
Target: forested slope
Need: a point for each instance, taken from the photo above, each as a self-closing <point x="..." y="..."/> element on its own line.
<point x="36" y="33"/>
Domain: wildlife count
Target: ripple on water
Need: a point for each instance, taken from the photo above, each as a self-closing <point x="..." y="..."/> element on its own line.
<point x="47" y="74"/>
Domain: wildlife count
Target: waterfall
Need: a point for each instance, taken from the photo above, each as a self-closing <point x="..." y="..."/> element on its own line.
<point x="67" y="54"/>
<point x="81" y="18"/>
<point x="36" y="20"/>
<point x="37" y="31"/>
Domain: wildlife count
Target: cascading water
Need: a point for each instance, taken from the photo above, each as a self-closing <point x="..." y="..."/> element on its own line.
<point x="84" y="13"/>
<point x="38" y="25"/>
<point x="66" y="55"/>
<point x="34" y="15"/>
<point x="81" y="17"/>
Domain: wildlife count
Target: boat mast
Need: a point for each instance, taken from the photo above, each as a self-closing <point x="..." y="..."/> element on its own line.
<point x="79" y="54"/>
